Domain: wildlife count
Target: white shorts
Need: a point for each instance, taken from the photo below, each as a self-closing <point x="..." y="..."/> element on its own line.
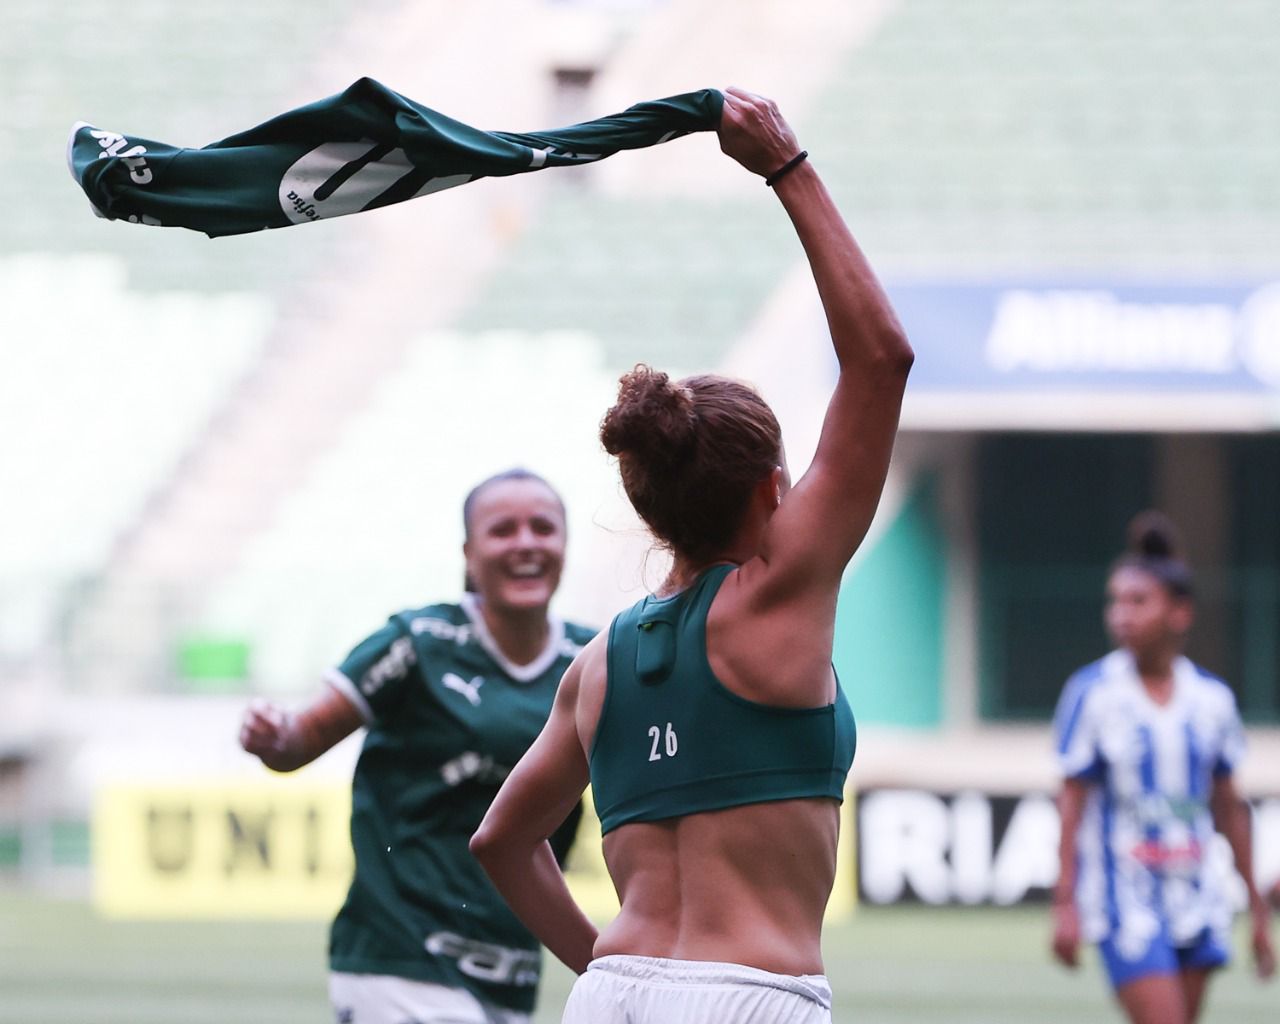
<point x="386" y="999"/>
<point x="650" y="990"/>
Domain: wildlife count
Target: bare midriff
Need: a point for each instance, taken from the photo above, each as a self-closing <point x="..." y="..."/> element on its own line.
<point x="744" y="885"/>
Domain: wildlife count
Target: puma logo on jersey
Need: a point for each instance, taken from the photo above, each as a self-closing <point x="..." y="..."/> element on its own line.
<point x="469" y="690"/>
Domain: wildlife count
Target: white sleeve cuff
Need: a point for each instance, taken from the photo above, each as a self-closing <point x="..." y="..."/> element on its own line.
<point x="348" y="689"/>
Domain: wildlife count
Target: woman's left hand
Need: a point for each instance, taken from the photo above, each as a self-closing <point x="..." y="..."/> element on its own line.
<point x="1264" y="956"/>
<point x="754" y="132"/>
<point x="1066" y="933"/>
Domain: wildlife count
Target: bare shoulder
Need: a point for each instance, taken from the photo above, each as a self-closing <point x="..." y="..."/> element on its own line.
<point x="589" y="662"/>
<point x="584" y="685"/>
<point x="776" y="587"/>
<point x="770" y="633"/>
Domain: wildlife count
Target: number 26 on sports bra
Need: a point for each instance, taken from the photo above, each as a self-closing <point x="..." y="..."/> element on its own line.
<point x="672" y="744"/>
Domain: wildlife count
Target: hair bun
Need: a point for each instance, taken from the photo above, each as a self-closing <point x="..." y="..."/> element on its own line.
<point x="1153" y="535"/>
<point x="653" y="420"/>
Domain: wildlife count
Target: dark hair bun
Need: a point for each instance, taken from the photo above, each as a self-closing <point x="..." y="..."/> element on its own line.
<point x="1153" y="535"/>
<point x="653" y="420"/>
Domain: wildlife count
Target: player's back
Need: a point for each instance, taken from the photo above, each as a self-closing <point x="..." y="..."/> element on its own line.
<point x="720" y="813"/>
<point x="744" y="885"/>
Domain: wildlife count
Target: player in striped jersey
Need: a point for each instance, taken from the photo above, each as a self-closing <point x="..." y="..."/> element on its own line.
<point x="1148" y="744"/>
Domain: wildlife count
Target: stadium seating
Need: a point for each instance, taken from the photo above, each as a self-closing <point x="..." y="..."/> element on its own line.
<point x="133" y="71"/>
<point x="375" y="525"/>
<point x="984" y="137"/>
<point x="1082" y="137"/>
<point x="103" y="391"/>
<point x="648" y="277"/>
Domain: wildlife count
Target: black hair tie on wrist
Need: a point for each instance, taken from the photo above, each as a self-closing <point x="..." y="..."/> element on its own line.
<point x="787" y="168"/>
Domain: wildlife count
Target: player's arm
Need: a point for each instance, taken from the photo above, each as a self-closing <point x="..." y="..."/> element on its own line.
<point x="512" y="842"/>
<point x="1066" y="918"/>
<point x="285" y="741"/>
<point x="821" y="523"/>
<point x="370" y="682"/>
<point x="1231" y="818"/>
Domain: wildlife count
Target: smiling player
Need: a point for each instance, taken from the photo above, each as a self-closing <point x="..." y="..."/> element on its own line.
<point x="452" y="696"/>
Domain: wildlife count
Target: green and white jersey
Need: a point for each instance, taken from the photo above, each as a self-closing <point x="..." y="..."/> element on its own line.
<point x="448" y="718"/>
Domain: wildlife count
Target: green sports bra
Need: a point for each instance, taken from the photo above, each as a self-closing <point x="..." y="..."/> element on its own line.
<point x="673" y="740"/>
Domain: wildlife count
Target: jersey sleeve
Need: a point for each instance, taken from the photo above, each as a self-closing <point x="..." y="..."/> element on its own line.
<point x="1231" y="746"/>
<point x="1075" y="731"/>
<point x="374" y="675"/>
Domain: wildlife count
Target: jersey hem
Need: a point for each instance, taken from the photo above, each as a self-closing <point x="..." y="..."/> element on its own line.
<point x="415" y="970"/>
<point x="801" y="789"/>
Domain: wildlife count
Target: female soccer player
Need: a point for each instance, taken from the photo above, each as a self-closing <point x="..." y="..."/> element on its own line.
<point x="709" y="720"/>
<point x="1148" y="743"/>
<point x="452" y="696"/>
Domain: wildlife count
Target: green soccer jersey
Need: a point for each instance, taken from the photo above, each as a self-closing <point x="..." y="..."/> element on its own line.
<point x="672" y="740"/>
<point x="448" y="718"/>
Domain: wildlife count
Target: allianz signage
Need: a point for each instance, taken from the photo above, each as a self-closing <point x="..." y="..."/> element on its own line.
<point x="1169" y="338"/>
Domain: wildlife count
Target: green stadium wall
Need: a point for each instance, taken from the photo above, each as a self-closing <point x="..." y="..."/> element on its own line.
<point x="889" y="623"/>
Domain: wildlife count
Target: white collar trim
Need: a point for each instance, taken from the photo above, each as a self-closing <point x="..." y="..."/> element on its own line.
<point x="1183" y="672"/>
<point x="520" y="673"/>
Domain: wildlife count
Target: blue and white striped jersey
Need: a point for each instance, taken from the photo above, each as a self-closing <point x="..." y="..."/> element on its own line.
<point x="1146" y="854"/>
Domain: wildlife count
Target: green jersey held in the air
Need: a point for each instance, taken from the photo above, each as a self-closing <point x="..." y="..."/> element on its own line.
<point x="448" y="718"/>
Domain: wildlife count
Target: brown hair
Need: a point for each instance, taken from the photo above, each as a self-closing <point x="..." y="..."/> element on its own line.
<point x="1155" y="547"/>
<point x="690" y="452"/>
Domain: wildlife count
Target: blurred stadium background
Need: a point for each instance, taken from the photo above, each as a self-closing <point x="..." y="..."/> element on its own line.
<point x="225" y="461"/>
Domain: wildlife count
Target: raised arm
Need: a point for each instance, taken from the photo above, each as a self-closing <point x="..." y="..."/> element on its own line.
<point x="285" y="741"/>
<point x="512" y="842"/>
<point x="822" y="521"/>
